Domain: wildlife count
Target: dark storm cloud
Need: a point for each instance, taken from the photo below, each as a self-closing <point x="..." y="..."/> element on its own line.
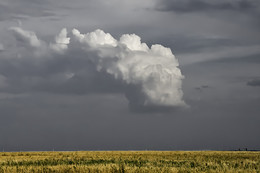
<point x="203" y="5"/>
<point x="49" y="77"/>
<point x="254" y="83"/>
<point x="202" y="87"/>
<point x="44" y="122"/>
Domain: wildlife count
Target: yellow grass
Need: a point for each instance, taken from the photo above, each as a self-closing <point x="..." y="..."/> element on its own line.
<point x="130" y="161"/>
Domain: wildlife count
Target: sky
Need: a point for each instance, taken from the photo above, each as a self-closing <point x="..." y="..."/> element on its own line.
<point x="129" y="75"/>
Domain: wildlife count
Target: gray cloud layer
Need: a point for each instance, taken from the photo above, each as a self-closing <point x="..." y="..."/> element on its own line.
<point x="14" y="9"/>
<point x="203" y="5"/>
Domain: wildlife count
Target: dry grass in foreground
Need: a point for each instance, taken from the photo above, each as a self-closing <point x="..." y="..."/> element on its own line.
<point x="130" y="161"/>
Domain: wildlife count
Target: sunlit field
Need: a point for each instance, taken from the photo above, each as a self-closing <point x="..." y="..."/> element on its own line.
<point x="130" y="161"/>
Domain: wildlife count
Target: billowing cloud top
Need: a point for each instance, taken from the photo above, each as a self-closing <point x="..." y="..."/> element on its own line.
<point x="26" y="36"/>
<point x="150" y="77"/>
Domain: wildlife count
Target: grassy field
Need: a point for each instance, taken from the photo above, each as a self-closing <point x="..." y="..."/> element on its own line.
<point x="130" y="161"/>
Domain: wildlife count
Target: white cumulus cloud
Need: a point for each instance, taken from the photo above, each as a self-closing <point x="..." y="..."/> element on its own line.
<point x="151" y="76"/>
<point x="26" y="36"/>
<point x="62" y="41"/>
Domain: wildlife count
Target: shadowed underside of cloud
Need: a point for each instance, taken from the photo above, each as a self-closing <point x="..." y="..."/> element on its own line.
<point x="94" y="62"/>
<point x="254" y="83"/>
<point x="203" y="5"/>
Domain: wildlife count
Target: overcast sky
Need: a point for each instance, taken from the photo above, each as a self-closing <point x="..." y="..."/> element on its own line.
<point x="64" y="89"/>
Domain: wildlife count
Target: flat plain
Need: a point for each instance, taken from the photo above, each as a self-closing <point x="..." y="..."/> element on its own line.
<point x="130" y="161"/>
